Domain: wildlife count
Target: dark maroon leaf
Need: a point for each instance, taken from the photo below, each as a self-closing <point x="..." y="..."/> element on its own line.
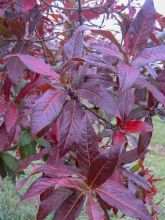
<point x="28" y="4"/>
<point x="100" y="97"/>
<point x="69" y="125"/>
<point x="127" y="76"/>
<point x="93" y="208"/>
<point x="38" y="187"/>
<point x="53" y="202"/>
<point x="11" y="117"/>
<point x="143" y="83"/>
<point x="46" y="110"/>
<point x="121" y="198"/>
<point x="71" y="207"/>
<point x="35" y="64"/>
<point x="140" y="28"/>
<point x="136" y="127"/>
<point x="102" y="167"/>
<point x="87" y="148"/>
<point x="145" y="137"/>
<point x="149" y="55"/>
<point x="126" y="101"/>
<point x="79" y="77"/>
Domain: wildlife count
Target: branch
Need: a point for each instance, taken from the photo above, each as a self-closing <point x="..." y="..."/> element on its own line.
<point x="79" y="12"/>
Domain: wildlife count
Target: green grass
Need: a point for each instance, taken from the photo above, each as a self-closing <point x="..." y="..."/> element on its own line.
<point x="11" y="209"/>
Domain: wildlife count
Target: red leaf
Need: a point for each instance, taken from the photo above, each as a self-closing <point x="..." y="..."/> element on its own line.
<point x="69" y="125"/>
<point x="102" y="167"/>
<point x="87" y="148"/>
<point x="140" y="28"/>
<point x="28" y="5"/>
<point x="93" y="209"/>
<point x="136" y="127"/>
<point x="119" y="140"/>
<point x="71" y="207"/>
<point x="149" y="55"/>
<point x="127" y="76"/>
<point x="145" y="138"/>
<point x="46" y="110"/>
<point x="118" y="196"/>
<point x="100" y="97"/>
<point x="11" y="117"/>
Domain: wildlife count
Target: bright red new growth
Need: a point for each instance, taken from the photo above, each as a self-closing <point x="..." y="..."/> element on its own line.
<point x="81" y="99"/>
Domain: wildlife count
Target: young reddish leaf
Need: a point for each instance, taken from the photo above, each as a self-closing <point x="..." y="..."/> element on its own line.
<point x="136" y="127"/>
<point x="11" y="117"/>
<point x="126" y="102"/>
<point x="28" y="5"/>
<point x="53" y="202"/>
<point x="127" y="76"/>
<point x="46" y="110"/>
<point x="145" y="138"/>
<point x="100" y="97"/>
<point x="74" y="46"/>
<point x="102" y="167"/>
<point x="118" y="196"/>
<point x="69" y="125"/>
<point x="71" y="207"/>
<point x="93" y="209"/>
<point x="36" y="65"/>
<point x="140" y="28"/>
<point x="87" y="148"/>
<point x="149" y="55"/>
<point x="119" y="140"/>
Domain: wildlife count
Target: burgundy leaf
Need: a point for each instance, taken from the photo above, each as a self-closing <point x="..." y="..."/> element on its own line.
<point x="36" y="65"/>
<point x="46" y="110"/>
<point x="137" y="179"/>
<point x="149" y="55"/>
<point x="87" y="148"/>
<point x="53" y="202"/>
<point x="145" y="137"/>
<point x="126" y="101"/>
<point x="71" y="207"/>
<point x="143" y="83"/>
<point x="69" y="125"/>
<point x="11" y="117"/>
<point x="119" y="140"/>
<point x="74" y="46"/>
<point x="3" y="105"/>
<point x="136" y="127"/>
<point x="93" y="209"/>
<point x="102" y="167"/>
<point x="100" y="97"/>
<point x="38" y="187"/>
<point x="106" y="51"/>
<point x="127" y="76"/>
<point x="121" y="198"/>
<point x="140" y="28"/>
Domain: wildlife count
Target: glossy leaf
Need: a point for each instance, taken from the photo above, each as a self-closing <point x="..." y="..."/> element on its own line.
<point x="140" y="28"/>
<point x="102" y="167"/>
<point x="71" y="207"/>
<point x="121" y="198"/>
<point x="69" y="125"/>
<point x="46" y="110"/>
<point x="127" y="76"/>
<point x="87" y="148"/>
<point x="93" y="209"/>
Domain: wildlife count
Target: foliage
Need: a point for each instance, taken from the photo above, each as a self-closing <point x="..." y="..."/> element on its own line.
<point x="85" y="109"/>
